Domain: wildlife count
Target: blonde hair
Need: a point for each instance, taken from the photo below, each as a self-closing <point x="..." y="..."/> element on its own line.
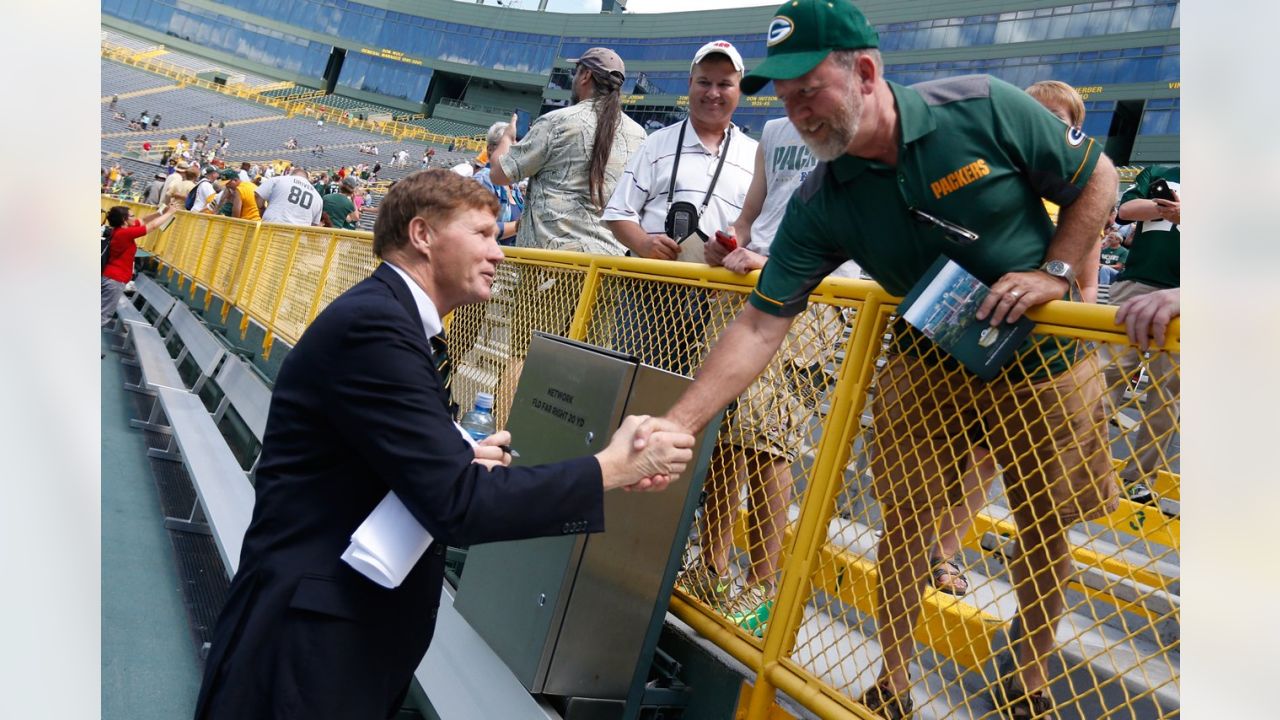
<point x="1055" y="93"/>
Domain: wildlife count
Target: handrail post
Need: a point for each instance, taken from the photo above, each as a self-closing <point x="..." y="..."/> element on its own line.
<point x="324" y="278"/>
<point x="581" y="314"/>
<point x="815" y="511"/>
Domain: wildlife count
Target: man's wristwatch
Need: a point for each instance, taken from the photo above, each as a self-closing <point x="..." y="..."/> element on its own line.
<point x="1060" y="269"/>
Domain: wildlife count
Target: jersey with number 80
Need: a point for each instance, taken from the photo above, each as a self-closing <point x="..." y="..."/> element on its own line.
<point x="290" y="200"/>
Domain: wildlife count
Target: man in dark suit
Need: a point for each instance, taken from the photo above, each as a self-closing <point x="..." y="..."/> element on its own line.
<point x="359" y="409"/>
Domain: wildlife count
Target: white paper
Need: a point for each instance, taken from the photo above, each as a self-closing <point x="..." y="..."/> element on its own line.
<point x="389" y="543"/>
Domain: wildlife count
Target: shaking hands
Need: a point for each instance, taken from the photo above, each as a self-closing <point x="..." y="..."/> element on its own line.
<point x="660" y="460"/>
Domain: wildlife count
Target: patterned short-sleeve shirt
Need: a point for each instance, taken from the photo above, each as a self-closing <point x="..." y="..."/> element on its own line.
<point x="555" y="155"/>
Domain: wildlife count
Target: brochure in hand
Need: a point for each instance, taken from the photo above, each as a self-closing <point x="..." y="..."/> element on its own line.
<point x="942" y="306"/>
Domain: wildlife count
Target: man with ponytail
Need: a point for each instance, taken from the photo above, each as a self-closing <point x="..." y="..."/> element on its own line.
<point x="573" y="157"/>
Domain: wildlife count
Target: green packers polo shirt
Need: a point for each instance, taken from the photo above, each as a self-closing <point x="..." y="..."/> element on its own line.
<point x="974" y="151"/>
<point x="1155" y="257"/>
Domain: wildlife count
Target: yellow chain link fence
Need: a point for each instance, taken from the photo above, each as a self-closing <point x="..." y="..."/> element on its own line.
<point x="871" y="513"/>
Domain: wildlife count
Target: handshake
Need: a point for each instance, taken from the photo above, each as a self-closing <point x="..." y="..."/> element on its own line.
<point x="646" y="453"/>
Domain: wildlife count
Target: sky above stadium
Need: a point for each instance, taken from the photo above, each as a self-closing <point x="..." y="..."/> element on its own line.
<point x="635" y="6"/>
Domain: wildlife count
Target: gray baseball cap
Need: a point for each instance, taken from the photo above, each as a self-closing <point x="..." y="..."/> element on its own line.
<point x="602" y="59"/>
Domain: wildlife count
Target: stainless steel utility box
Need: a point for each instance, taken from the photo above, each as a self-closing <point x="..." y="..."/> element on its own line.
<point x="579" y="615"/>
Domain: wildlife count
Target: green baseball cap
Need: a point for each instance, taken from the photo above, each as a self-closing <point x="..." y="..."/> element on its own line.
<point x="802" y="34"/>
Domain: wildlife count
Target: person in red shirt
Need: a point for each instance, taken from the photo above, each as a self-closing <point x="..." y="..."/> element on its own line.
<point x="118" y="270"/>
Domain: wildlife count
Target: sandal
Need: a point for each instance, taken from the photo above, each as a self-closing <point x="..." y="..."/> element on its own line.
<point x="948" y="576"/>
<point x="1018" y="704"/>
<point x="880" y="699"/>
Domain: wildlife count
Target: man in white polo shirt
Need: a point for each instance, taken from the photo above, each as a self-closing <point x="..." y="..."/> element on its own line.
<point x="291" y="199"/>
<point x="712" y="162"/>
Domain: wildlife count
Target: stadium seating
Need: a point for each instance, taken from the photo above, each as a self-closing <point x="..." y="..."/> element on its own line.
<point x="257" y="133"/>
<point x="451" y="127"/>
<point x="188" y="62"/>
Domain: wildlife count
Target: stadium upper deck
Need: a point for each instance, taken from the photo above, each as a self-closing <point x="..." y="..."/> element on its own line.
<point x="460" y="61"/>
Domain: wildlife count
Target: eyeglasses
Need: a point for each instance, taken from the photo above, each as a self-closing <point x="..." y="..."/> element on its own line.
<point x="957" y="234"/>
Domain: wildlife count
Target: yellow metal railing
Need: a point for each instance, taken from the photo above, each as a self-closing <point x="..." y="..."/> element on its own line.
<point x="829" y="423"/>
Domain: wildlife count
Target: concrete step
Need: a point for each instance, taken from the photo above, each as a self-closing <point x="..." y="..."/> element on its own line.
<point x="1101" y="668"/>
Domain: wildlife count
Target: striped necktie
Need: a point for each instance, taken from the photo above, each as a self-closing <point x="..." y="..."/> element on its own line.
<point x="440" y="353"/>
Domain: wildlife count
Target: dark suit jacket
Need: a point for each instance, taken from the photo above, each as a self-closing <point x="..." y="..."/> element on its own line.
<point x="359" y="409"/>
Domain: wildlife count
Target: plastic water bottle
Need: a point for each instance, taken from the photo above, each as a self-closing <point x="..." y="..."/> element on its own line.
<point x="479" y="422"/>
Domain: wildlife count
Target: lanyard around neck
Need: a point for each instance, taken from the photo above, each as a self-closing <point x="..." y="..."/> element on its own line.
<point x="675" y="167"/>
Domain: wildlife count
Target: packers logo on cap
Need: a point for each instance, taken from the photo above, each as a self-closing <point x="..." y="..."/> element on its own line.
<point x="780" y="29"/>
<point x="1075" y="136"/>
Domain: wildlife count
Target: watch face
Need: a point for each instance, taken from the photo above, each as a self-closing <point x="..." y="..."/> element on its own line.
<point x="1057" y="267"/>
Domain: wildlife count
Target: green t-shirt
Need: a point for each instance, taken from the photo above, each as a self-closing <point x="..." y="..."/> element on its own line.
<point x="1114" y="256"/>
<point x="974" y="151"/>
<point x="1155" y="256"/>
<point x="339" y="206"/>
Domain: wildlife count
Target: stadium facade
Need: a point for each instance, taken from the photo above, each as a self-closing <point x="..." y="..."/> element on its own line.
<point x="469" y="64"/>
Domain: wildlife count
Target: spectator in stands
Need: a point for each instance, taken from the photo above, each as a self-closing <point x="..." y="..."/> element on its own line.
<point x="155" y="121"/>
<point x="766" y="424"/>
<point x="361" y="407"/>
<point x="124" y="230"/>
<point x="510" y="199"/>
<point x="152" y="196"/>
<point x="290" y="199"/>
<point x="114" y="99"/>
<point x="1153" y="264"/>
<point x="714" y="162"/>
<point x="291" y="143"/>
<point x="126" y="183"/>
<point x="242" y="195"/>
<point x="117" y="115"/>
<point x="206" y="191"/>
<point x="246" y="173"/>
<point x="573" y="157"/>
<point x="340" y="208"/>
<point x="882" y="143"/>
<point x="180" y="183"/>
<point x="113" y="175"/>
<point x="1113" y="258"/>
<point x="377" y="168"/>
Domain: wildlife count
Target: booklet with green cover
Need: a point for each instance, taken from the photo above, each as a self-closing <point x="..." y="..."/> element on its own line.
<point x="942" y="306"/>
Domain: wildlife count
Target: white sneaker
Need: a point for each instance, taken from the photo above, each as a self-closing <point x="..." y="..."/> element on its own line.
<point x="128" y="287"/>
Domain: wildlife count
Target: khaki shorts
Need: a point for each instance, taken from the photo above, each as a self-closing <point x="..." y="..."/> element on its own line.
<point x="769" y="417"/>
<point x="772" y="415"/>
<point x="1049" y="437"/>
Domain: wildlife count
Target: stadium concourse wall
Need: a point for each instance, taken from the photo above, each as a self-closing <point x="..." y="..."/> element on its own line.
<point x="1119" y="657"/>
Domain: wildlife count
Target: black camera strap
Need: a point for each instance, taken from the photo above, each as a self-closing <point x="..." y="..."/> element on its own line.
<point x="675" y="167"/>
